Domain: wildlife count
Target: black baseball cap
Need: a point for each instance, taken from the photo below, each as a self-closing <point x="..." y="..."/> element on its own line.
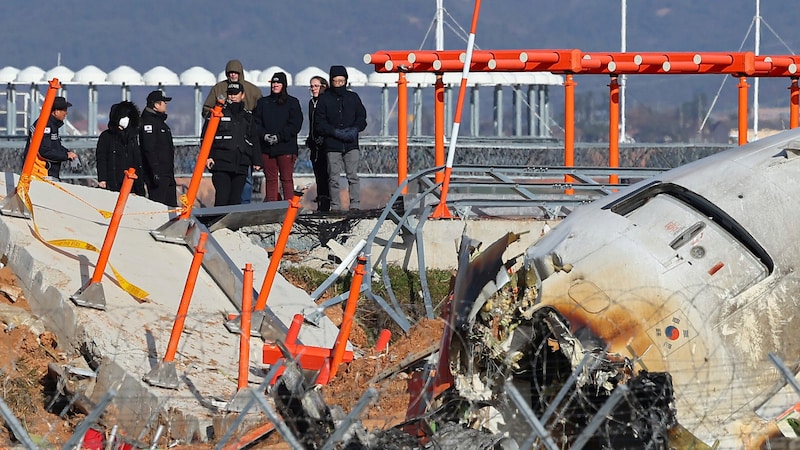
<point x="235" y="88"/>
<point x="61" y="103"/>
<point x="157" y="96"/>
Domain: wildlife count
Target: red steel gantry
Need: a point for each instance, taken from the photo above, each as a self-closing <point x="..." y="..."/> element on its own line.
<point x="570" y="62"/>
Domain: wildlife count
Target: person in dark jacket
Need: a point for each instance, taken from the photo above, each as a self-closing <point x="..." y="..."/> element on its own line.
<point x="51" y="151"/>
<point x="319" y="159"/>
<point x="339" y="117"/>
<point x="158" y="151"/>
<point x="118" y="149"/>
<point x="235" y="148"/>
<point x="280" y="117"/>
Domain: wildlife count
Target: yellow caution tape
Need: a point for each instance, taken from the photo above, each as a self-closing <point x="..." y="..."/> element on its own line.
<point x="135" y="291"/>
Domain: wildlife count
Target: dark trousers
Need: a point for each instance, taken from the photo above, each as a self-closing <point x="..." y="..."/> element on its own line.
<point x="276" y="168"/>
<point x="319" y="162"/>
<point x="165" y="192"/>
<point x="227" y="187"/>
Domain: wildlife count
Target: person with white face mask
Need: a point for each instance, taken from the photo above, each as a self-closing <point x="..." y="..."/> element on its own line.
<point x="118" y="149"/>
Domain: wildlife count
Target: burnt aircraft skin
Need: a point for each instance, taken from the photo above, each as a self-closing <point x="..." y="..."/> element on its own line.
<point x="691" y="273"/>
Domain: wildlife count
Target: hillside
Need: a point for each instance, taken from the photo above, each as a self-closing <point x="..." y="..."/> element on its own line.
<point x="294" y="35"/>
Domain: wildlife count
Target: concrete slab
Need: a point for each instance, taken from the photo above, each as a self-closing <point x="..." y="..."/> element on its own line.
<point x="127" y="339"/>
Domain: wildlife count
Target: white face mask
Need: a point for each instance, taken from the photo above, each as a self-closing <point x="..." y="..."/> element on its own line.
<point x="123" y="122"/>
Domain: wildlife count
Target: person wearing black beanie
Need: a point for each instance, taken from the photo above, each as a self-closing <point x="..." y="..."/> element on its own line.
<point x="280" y="117"/>
<point x="339" y="117"/>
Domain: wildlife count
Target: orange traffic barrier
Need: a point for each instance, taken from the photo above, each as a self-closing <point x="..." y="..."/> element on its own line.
<point x="402" y="130"/>
<point x="38" y="132"/>
<point x="277" y="254"/>
<point x="438" y="125"/>
<point x="91" y="294"/>
<point x="244" y="338"/>
<point x="349" y="312"/>
<point x="794" y="103"/>
<point x="569" y="128"/>
<point x="113" y="226"/>
<point x="383" y="340"/>
<point x="613" y="129"/>
<point x="186" y="298"/>
<point x="294" y="329"/>
<point x="202" y="157"/>
<point x="13" y="205"/>
<point x="743" y="110"/>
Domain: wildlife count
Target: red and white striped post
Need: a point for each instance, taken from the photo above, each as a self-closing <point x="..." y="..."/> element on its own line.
<point x="441" y="211"/>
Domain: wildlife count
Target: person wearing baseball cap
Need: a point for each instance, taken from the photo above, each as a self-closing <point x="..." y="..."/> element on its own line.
<point x="158" y="150"/>
<point x="51" y="151"/>
<point x="235" y="151"/>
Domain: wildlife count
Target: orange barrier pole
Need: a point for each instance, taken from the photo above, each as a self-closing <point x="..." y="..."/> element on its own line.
<point x="438" y="125"/>
<point x="349" y="312"/>
<point x="794" y="101"/>
<point x="402" y="129"/>
<point x="383" y="340"/>
<point x="244" y="338"/>
<point x="613" y="129"/>
<point x="569" y="127"/>
<point x="277" y="254"/>
<point x="441" y="211"/>
<point x="294" y="329"/>
<point x="38" y="134"/>
<point x="113" y="226"/>
<point x="743" y="110"/>
<point x="186" y="298"/>
<point x="200" y="166"/>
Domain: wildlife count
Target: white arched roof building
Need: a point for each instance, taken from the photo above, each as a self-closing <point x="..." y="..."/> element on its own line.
<point x="35" y="79"/>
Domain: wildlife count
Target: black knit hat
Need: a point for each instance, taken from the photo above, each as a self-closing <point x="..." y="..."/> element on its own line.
<point x="338" y="71"/>
<point x="279" y="77"/>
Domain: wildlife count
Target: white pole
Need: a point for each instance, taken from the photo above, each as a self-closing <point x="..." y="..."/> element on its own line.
<point x="755" y="83"/>
<point x="439" y="25"/>
<point x="623" y="48"/>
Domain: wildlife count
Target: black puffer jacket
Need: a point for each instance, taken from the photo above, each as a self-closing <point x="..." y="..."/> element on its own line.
<point x="339" y="117"/>
<point x="158" y="150"/>
<point x="118" y="149"/>
<point x="235" y="146"/>
<point x="281" y="117"/>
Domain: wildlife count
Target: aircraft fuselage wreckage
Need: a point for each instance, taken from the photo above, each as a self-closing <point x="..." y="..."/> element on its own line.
<point x="676" y="291"/>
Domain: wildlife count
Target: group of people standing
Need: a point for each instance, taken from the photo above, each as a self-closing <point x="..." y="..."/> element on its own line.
<point x="255" y="132"/>
<point x="262" y="134"/>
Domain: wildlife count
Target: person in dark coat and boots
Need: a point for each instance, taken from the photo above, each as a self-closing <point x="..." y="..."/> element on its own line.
<point x="158" y="151"/>
<point x="235" y="148"/>
<point x="118" y="149"/>
<point x="319" y="159"/>
<point x="339" y="117"/>
<point x="51" y="151"/>
<point x="281" y="118"/>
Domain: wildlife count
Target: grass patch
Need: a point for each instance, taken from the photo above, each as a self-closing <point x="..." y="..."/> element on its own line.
<point x="405" y="284"/>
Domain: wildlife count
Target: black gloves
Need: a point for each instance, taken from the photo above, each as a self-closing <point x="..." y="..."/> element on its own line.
<point x="156" y="180"/>
<point x="319" y="140"/>
<point x="349" y="134"/>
